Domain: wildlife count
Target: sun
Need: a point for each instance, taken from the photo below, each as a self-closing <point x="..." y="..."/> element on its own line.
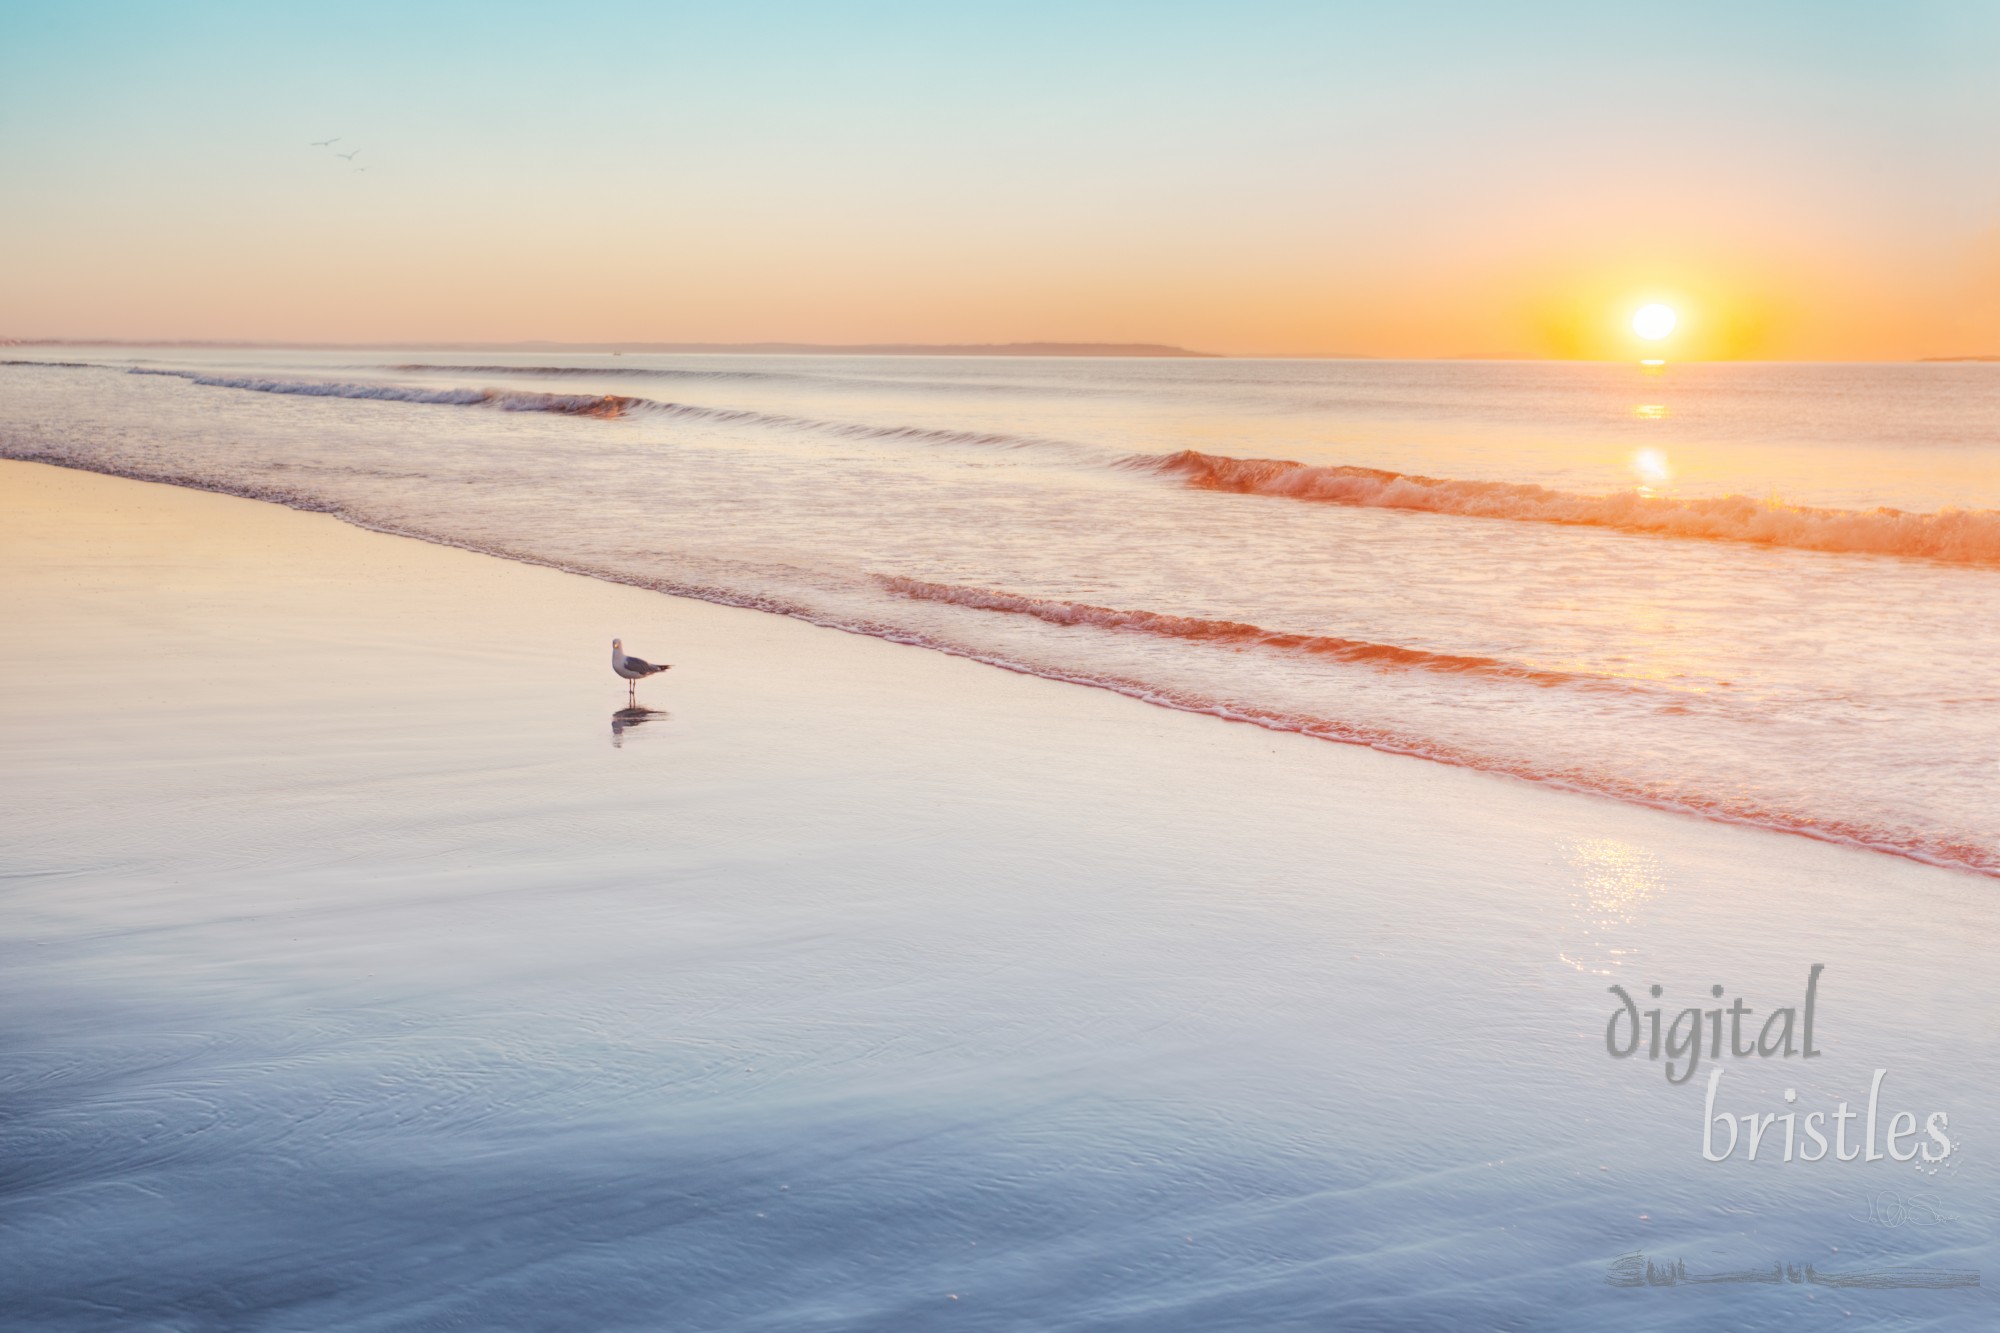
<point x="1653" y="322"/>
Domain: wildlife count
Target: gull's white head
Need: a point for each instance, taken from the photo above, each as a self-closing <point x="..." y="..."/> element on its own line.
<point x="618" y="643"/>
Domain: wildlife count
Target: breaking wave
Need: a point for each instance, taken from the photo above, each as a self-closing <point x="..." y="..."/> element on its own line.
<point x="1385" y="655"/>
<point x="1965" y="536"/>
<point x="568" y="404"/>
<point x="1962" y="536"/>
<point x="605" y="405"/>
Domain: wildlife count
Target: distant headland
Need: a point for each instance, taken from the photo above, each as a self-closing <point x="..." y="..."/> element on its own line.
<point x="907" y="349"/>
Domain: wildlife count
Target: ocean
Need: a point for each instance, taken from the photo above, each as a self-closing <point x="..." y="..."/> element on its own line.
<point x="1764" y="594"/>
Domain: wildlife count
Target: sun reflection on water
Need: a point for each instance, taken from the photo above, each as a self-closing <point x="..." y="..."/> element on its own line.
<point x="1613" y="882"/>
<point x="1651" y="466"/>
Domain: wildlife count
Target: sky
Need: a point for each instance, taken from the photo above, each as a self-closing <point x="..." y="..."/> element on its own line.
<point x="1797" y="180"/>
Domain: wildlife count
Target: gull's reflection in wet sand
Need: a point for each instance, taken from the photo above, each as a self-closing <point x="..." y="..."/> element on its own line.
<point x="626" y="718"/>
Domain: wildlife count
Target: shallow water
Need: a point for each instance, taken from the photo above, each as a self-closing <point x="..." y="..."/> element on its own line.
<point x="363" y="969"/>
<point x="1533" y="569"/>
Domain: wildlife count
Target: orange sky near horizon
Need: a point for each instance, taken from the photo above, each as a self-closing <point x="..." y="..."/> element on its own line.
<point x="1280" y="180"/>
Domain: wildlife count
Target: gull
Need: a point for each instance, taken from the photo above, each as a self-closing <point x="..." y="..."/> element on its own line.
<point x="633" y="669"/>
<point x="326" y="143"/>
<point x="348" y="157"/>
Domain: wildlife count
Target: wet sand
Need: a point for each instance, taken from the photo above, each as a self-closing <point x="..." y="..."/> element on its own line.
<point x="363" y="968"/>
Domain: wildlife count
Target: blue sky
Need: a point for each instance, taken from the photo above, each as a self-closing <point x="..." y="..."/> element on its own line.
<point x="1277" y="177"/>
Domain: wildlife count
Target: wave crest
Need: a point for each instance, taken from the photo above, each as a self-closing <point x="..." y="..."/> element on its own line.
<point x="605" y="405"/>
<point x="1384" y="655"/>
<point x="568" y="404"/>
<point x="1965" y="536"/>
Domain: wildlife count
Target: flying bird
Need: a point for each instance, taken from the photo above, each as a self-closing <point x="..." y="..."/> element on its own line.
<point x="632" y="669"/>
<point x="326" y="143"/>
<point x="348" y="157"/>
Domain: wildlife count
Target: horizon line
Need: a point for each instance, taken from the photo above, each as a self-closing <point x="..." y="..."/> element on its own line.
<point x="1025" y="350"/>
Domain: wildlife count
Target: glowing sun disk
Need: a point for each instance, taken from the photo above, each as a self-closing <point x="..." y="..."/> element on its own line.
<point x="1653" y="322"/>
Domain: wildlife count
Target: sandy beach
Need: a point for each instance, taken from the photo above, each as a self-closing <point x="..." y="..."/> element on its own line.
<point x="364" y="970"/>
<point x="1320" y="667"/>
